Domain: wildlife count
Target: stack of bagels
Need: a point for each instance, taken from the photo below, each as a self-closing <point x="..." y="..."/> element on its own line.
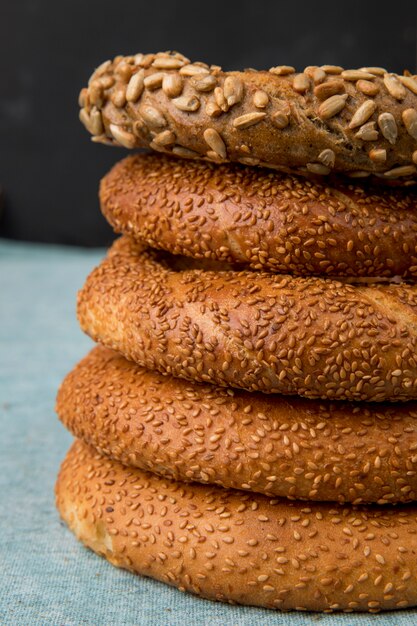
<point x="247" y="426"/>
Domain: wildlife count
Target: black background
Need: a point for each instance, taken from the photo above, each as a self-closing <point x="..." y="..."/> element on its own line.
<point x="48" y="167"/>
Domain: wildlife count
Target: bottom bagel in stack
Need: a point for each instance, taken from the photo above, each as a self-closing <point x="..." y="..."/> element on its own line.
<point x="238" y="545"/>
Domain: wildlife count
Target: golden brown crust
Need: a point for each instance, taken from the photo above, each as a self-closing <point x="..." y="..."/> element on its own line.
<point x="263" y="219"/>
<point x="238" y="547"/>
<point x="279" y="446"/>
<point x="312" y="337"/>
<point x="320" y="121"/>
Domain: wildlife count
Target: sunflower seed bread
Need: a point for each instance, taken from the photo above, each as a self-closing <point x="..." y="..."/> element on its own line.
<point x="323" y="120"/>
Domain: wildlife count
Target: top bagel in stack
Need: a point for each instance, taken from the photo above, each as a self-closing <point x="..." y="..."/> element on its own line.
<point x="322" y="120"/>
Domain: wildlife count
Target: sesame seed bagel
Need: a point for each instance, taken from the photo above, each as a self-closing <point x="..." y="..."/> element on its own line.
<point x="237" y="547"/>
<point x="313" y="337"/>
<point x="265" y="220"/>
<point x="320" y="121"/>
<point x="293" y="447"/>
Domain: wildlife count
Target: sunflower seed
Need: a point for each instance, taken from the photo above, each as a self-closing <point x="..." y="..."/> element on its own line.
<point x="146" y="60"/>
<point x="301" y="83"/>
<point x="158" y="147"/>
<point x="153" y="118"/>
<point x="123" y="137"/>
<point x="363" y="113"/>
<point x="96" y="94"/>
<point x="184" y="152"/>
<point x="282" y="70"/>
<point x="186" y="60"/>
<point x="167" y="63"/>
<point x="107" y="81"/>
<point x="280" y="120"/>
<point x="166" y="138"/>
<point x="327" y="157"/>
<point x="154" y="81"/>
<point x="368" y="88"/>
<point x="388" y="126"/>
<point x="379" y="155"/>
<point x="101" y="69"/>
<point x="410" y="122"/>
<point x="220" y="99"/>
<point x="213" y="110"/>
<point x="409" y="82"/>
<point x="207" y="83"/>
<point x="215" y="142"/>
<point x="124" y="71"/>
<point x="96" y="123"/>
<point x="193" y="70"/>
<point x="403" y="170"/>
<point x="102" y="139"/>
<point x="135" y="87"/>
<point x="187" y="103"/>
<point x="318" y="76"/>
<point x="233" y="90"/>
<point x="318" y="168"/>
<point x="249" y="161"/>
<point x="118" y="97"/>
<point x="394" y="87"/>
<point x="260" y="99"/>
<point x="378" y="71"/>
<point x="367" y="132"/>
<point x="330" y="88"/>
<point x="213" y="156"/>
<point x="172" y="85"/>
<point x="357" y="75"/>
<point x="83" y="98"/>
<point x="85" y="119"/>
<point x="332" y="106"/>
<point x="332" y="69"/>
<point x="249" y="119"/>
<point x="414" y="157"/>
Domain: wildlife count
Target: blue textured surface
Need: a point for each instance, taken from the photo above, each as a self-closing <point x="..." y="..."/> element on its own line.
<point x="46" y="577"/>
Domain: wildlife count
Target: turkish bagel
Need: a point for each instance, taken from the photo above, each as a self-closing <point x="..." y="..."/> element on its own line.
<point x="238" y="547"/>
<point x="313" y="337"/>
<point x="262" y="219"/>
<point x="276" y="445"/>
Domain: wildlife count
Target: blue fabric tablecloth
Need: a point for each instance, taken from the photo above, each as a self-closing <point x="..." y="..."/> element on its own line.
<point x="46" y="577"/>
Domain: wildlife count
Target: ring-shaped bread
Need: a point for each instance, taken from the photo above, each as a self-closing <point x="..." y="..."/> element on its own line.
<point x="313" y="337"/>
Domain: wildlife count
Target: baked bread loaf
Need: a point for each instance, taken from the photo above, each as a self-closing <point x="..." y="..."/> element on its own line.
<point x="265" y="220"/>
<point x="238" y="547"/>
<point x="312" y="337"/>
<point x="293" y="447"/>
<point x="322" y="120"/>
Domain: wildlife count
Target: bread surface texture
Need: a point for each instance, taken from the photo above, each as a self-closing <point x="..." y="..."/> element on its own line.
<point x="238" y="547"/>
<point x="320" y="121"/>
<point x="261" y="219"/>
<point x="313" y="337"/>
<point x="276" y="445"/>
